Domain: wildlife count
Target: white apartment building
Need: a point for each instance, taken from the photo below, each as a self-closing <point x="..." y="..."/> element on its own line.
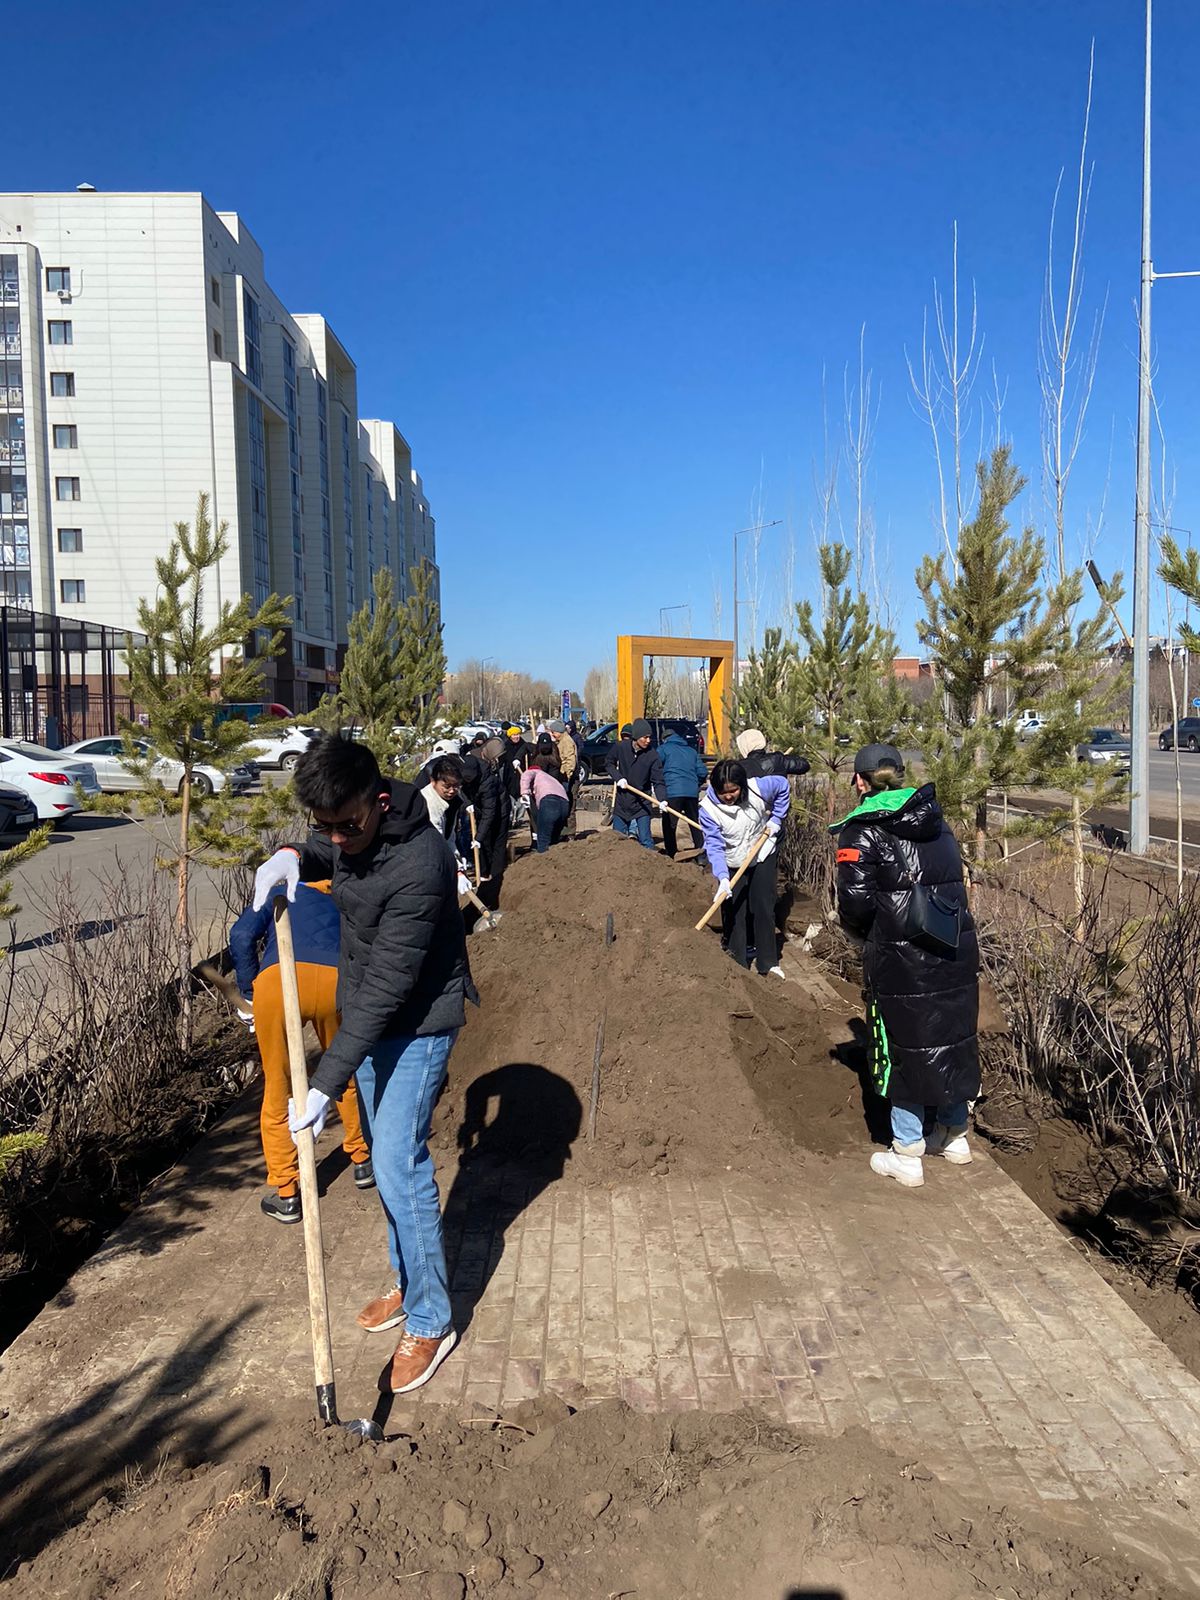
<point x="144" y="358"/>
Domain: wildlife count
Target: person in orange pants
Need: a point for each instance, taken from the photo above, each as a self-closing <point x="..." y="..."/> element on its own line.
<point x="315" y="934"/>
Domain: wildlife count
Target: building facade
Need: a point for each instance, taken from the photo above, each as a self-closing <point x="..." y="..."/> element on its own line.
<point x="143" y="358"/>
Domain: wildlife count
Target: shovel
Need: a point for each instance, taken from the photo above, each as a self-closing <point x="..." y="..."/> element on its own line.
<point x="663" y="806"/>
<point x="733" y="882"/>
<point x="474" y="843"/>
<point x="487" y="919"/>
<point x="310" y="1211"/>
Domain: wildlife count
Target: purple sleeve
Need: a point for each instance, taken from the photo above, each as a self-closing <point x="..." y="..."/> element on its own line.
<point x="714" y="845"/>
<point x="777" y="792"/>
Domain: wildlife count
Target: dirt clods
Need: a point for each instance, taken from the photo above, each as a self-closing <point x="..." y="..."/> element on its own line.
<point x="662" y="1506"/>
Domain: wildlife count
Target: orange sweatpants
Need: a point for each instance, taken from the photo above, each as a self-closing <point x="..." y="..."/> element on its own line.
<point x="318" y="1005"/>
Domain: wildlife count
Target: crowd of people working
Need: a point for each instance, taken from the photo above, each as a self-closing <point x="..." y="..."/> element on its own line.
<point x="384" y="977"/>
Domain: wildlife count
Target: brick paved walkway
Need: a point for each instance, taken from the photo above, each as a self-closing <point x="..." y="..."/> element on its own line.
<point x="955" y="1322"/>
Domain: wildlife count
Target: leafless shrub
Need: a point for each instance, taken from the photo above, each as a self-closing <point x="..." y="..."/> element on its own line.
<point x="806" y="851"/>
<point x="1103" y="1025"/>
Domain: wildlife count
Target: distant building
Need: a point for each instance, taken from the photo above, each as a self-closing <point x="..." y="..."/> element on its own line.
<point x="144" y="358"/>
<point x="910" y="668"/>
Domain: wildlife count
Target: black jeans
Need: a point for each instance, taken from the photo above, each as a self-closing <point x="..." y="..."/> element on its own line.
<point x="689" y="804"/>
<point x="753" y="908"/>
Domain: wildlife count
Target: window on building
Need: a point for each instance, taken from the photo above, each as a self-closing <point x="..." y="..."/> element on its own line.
<point x="216" y="344"/>
<point x="58" y="280"/>
<point x="215" y="284"/>
<point x="62" y="385"/>
<point x="70" y="541"/>
<point x="66" y="436"/>
<point x="61" y="333"/>
<point x="66" y="489"/>
<point x="73" y="591"/>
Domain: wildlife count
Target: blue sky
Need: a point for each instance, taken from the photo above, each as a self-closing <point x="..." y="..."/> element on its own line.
<point x="594" y="258"/>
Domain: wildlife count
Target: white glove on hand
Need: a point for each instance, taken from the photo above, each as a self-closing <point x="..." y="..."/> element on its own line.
<point x="659" y="805"/>
<point x="772" y="827"/>
<point x="313" y="1116"/>
<point x="470" y="810"/>
<point x="282" y="867"/>
<point x="724" y="892"/>
<point x="464" y="884"/>
<point x="246" y="1015"/>
<point x="622" y="783"/>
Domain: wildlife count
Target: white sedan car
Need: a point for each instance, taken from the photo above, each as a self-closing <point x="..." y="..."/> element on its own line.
<point x="282" y="750"/>
<point x="48" y="777"/>
<point x="110" y="761"/>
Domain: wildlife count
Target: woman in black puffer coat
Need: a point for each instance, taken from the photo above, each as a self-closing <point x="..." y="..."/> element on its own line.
<point x="922" y="995"/>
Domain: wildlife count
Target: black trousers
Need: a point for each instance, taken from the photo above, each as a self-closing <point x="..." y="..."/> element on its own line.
<point x="689" y="804"/>
<point x="750" y="915"/>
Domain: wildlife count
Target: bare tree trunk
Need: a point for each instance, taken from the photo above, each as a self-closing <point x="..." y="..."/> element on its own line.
<point x="183" y="930"/>
<point x="1077" y="861"/>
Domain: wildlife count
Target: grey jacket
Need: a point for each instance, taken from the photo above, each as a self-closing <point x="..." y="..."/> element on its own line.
<point x="402" y="967"/>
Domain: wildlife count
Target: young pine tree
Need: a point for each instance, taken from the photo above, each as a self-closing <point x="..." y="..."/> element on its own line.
<point x="846" y="694"/>
<point x="421" y="664"/>
<point x="370" y="693"/>
<point x="970" y="630"/>
<point x="769" y="695"/>
<point x="654" y="703"/>
<point x="183" y="673"/>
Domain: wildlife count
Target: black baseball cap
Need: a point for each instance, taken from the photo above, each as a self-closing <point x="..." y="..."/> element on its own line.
<point x="873" y="756"/>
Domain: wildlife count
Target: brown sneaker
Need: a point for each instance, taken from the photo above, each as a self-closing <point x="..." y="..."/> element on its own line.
<point x="415" y="1361"/>
<point x="377" y="1316"/>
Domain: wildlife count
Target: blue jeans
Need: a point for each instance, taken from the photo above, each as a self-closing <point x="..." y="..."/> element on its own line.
<point x="908" y="1122"/>
<point x="397" y="1086"/>
<point x="551" y="819"/>
<point x="639" y="825"/>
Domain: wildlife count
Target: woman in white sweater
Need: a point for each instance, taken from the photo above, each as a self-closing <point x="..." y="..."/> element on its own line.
<point x="734" y="812"/>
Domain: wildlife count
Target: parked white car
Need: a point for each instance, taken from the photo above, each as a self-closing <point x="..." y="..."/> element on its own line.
<point x="282" y="750"/>
<point x="48" y="777"/>
<point x="112" y="772"/>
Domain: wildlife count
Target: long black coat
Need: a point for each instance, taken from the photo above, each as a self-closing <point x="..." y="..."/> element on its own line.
<point x="521" y="753"/>
<point x="928" y="1002"/>
<point x="488" y="797"/>
<point x="641" y="768"/>
<point x="402" y="968"/>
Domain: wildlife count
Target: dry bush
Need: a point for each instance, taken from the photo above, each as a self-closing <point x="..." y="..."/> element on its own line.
<point x="807" y="849"/>
<point x="1104" y="1026"/>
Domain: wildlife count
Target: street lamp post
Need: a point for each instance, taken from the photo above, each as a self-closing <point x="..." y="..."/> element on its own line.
<point x="482" y="705"/>
<point x="756" y="527"/>
<point x="662" y="616"/>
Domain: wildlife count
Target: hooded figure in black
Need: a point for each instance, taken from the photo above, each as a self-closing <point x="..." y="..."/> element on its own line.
<point x="900" y="889"/>
<point x="483" y="793"/>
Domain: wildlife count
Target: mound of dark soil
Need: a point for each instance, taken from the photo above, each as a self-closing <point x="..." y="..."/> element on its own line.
<point x="551" y="1504"/>
<point x="702" y="1066"/>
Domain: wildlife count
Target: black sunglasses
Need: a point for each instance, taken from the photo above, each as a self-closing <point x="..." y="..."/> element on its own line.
<point x="348" y="830"/>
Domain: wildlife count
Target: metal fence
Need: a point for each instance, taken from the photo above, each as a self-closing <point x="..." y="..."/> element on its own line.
<point x="60" y="679"/>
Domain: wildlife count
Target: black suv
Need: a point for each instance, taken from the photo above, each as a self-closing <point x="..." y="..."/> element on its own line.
<point x="1188" y="729"/>
<point x="598" y="747"/>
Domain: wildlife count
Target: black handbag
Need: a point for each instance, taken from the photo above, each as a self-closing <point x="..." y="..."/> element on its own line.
<point x="933" y="922"/>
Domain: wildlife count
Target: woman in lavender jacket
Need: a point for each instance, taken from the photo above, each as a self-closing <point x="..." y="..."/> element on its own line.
<point x="734" y="811"/>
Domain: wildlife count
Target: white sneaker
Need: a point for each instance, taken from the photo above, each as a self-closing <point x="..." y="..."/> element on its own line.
<point x="776" y="972"/>
<point x="949" y="1143"/>
<point x="902" y="1162"/>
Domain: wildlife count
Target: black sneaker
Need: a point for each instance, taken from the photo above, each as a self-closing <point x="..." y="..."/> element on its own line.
<point x="283" y="1209"/>
<point x="364" y="1174"/>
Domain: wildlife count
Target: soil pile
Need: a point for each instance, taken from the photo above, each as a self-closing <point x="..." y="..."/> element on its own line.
<point x="552" y="1504"/>
<point x="702" y="1066"/>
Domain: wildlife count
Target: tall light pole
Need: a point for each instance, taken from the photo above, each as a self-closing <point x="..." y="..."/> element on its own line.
<point x="482" y="705"/>
<point x="756" y="527"/>
<point x="1139" y="720"/>
<point x="662" y="616"/>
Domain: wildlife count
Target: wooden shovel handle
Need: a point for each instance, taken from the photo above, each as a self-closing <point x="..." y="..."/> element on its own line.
<point x="314" y="1254"/>
<point x="474" y="845"/>
<point x="733" y="882"/>
<point x="663" y="806"/>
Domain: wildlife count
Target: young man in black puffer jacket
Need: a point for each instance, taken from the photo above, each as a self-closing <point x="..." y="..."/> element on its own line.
<point x="403" y="978"/>
<point x="922" y="996"/>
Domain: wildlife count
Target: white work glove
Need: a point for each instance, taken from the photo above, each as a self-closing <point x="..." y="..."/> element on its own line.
<point x="470" y="810"/>
<point x="282" y="867"/>
<point x="659" y="805"/>
<point x="724" y="892"/>
<point x="516" y="765"/>
<point x="622" y="783"/>
<point x="246" y="1015"/>
<point x="772" y="827"/>
<point x="464" y="884"/>
<point x="313" y="1116"/>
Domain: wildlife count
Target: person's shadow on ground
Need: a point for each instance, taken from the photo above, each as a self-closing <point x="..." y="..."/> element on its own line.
<point x="855" y="1055"/>
<point x="519" y="1123"/>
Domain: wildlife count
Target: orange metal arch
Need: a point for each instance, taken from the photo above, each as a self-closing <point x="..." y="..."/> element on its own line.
<point x="632" y="650"/>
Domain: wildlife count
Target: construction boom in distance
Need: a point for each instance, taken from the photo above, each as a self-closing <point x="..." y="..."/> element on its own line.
<point x="632" y="650"/>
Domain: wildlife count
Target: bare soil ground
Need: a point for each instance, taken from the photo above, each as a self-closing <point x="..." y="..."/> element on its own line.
<point x="697" y="1074"/>
<point x="547" y="1504"/>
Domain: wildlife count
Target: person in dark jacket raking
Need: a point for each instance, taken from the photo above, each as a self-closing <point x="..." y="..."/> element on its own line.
<point x="922" y="995"/>
<point x="634" y="763"/>
<point x="760" y="762"/>
<point x="403" y="978"/>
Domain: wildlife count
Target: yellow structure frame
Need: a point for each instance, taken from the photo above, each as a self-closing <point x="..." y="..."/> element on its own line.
<point x="632" y="650"/>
